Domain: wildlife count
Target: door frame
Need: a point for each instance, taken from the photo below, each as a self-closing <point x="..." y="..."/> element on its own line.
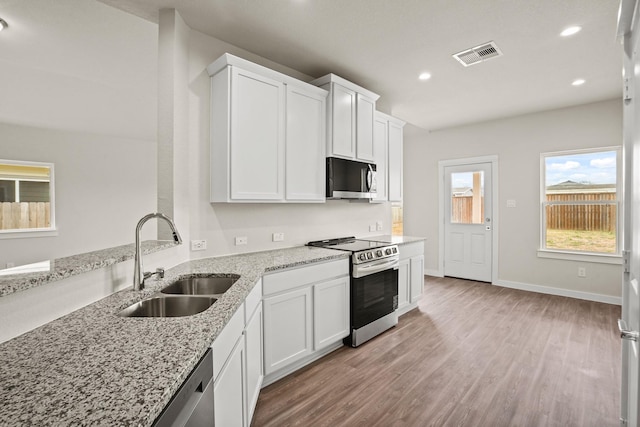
<point x="494" y="208"/>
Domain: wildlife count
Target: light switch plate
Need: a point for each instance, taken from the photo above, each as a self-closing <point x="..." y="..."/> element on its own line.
<point x="278" y="237"/>
<point x="372" y="227"/>
<point x="511" y="203"/>
<point x="379" y="226"/>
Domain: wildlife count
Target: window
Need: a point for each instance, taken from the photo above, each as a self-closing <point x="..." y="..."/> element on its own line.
<point x="467" y="197"/>
<point x="397" y="220"/>
<point x="26" y="196"/>
<point x="580" y="201"/>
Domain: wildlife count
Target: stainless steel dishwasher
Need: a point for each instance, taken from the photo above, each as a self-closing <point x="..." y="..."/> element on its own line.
<point x="192" y="405"/>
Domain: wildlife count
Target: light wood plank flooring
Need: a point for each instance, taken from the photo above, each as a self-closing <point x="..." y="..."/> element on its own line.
<point x="472" y="354"/>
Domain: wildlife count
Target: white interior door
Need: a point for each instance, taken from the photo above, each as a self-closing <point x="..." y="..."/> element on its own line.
<point x="468" y="221"/>
<point x="630" y="323"/>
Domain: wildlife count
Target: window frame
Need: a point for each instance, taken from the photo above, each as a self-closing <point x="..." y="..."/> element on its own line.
<point x="577" y="255"/>
<point x="35" y="232"/>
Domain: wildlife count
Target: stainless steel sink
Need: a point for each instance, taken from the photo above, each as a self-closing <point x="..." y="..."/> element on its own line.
<point x="209" y="285"/>
<point x="176" y="306"/>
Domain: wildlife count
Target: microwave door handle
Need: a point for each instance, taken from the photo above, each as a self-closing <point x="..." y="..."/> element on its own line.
<point x="369" y="178"/>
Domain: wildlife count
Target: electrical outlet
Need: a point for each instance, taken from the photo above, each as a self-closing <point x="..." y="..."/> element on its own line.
<point x="198" y="245"/>
<point x="278" y="237"/>
<point x="242" y="240"/>
<point x="379" y="226"/>
<point x="372" y="227"/>
<point x="582" y="272"/>
<point x="511" y="203"/>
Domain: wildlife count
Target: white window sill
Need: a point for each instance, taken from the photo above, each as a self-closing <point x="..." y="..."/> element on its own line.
<point x="584" y="257"/>
<point x="27" y="234"/>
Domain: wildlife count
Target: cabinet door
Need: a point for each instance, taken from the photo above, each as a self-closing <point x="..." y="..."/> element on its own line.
<point x="380" y="146"/>
<point x="330" y="312"/>
<point x="253" y="368"/>
<point x="287" y="329"/>
<point x="404" y="288"/>
<point x="417" y="278"/>
<point x="343" y="129"/>
<point x="305" y="145"/>
<point x="395" y="163"/>
<point x="228" y="393"/>
<point x="364" y="131"/>
<point x="257" y="137"/>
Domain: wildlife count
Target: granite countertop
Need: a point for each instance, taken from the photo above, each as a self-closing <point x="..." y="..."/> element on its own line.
<point x="396" y="240"/>
<point x="21" y="278"/>
<point x="92" y="367"/>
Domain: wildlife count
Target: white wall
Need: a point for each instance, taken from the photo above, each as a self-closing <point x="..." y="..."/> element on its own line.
<point x="518" y="142"/>
<point x="219" y="224"/>
<point x="103" y="186"/>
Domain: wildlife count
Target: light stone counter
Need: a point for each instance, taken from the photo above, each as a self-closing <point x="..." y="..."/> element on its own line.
<point x="92" y="367"/>
<point x="22" y="278"/>
<point x="396" y="240"/>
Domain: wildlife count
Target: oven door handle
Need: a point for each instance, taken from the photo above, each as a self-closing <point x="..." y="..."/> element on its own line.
<point x="361" y="270"/>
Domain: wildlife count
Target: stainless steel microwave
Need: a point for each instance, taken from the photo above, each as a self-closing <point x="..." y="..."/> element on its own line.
<point x="348" y="179"/>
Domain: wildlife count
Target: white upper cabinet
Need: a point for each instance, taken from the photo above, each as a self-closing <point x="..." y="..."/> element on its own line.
<point x="343" y="122"/>
<point x="365" y="112"/>
<point x="267" y="135"/>
<point x="387" y="150"/>
<point x="380" y="151"/>
<point x="395" y="140"/>
<point x="350" y="115"/>
<point x="305" y="145"/>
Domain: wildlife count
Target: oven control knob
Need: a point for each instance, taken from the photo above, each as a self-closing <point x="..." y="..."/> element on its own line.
<point x="378" y="253"/>
<point x="369" y="255"/>
<point x="387" y="251"/>
<point x="395" y="250"/>
<point x="362" y="257"/>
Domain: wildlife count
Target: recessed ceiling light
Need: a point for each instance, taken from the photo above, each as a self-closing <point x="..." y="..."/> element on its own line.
<point x="579" y="82"/>
<point x="570" y="31"/>
<point x="424" y="76"/>
<point x="3" y="24"/>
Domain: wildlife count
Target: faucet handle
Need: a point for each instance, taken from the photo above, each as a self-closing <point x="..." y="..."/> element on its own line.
<point x="159" y="272"/>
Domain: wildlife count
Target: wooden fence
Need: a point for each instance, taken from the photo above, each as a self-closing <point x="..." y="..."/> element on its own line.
<point x="24" y="215"/>
<point x="588" y="217"/>
<point x="462" y="209"/>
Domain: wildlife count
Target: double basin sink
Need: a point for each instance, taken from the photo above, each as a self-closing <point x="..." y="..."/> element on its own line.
<point x="185" y="297"/>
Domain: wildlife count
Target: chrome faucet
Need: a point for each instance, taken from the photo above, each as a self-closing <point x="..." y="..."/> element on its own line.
<point x="138" y="275"/>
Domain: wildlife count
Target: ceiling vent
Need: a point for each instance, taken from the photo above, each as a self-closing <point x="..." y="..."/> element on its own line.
<point x="478" y="54"/>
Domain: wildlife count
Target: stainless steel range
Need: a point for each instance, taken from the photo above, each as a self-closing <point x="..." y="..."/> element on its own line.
<point x="374" y="285"/>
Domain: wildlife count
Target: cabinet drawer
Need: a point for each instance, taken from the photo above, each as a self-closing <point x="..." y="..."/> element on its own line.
<point x="308" y="274"/>
<point x="224" y="343"/>
<point x="252" y="301"/>
<point x="409" y="250"/>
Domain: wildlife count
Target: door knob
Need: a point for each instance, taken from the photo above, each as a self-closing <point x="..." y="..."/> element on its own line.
<point x="625" y="333"/>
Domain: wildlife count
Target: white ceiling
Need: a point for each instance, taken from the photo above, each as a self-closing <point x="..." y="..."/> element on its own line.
<point x="384" y="45"/>
<point x="60" y="61"/>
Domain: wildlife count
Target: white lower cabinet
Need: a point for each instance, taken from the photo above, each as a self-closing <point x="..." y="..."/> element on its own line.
<point x="238" y="364"/>
<point x="228" y="391"/>
<point x="254" y="362"/>
<point x="330" y="312"/>
<point x="410" y="276"/>
<point x="306" y="315"/>
<point x="287" y="329"/>
<point x="404" y="286"/>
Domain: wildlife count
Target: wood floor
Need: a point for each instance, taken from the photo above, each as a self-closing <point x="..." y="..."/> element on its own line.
<point x="472" y="354"/>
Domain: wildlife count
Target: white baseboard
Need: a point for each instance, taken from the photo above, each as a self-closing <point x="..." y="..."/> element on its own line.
<point x="560" y="292"/>
<point x="434" y="273"/>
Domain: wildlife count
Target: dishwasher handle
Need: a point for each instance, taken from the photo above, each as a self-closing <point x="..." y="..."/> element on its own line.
<point x="192" y="405"/>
